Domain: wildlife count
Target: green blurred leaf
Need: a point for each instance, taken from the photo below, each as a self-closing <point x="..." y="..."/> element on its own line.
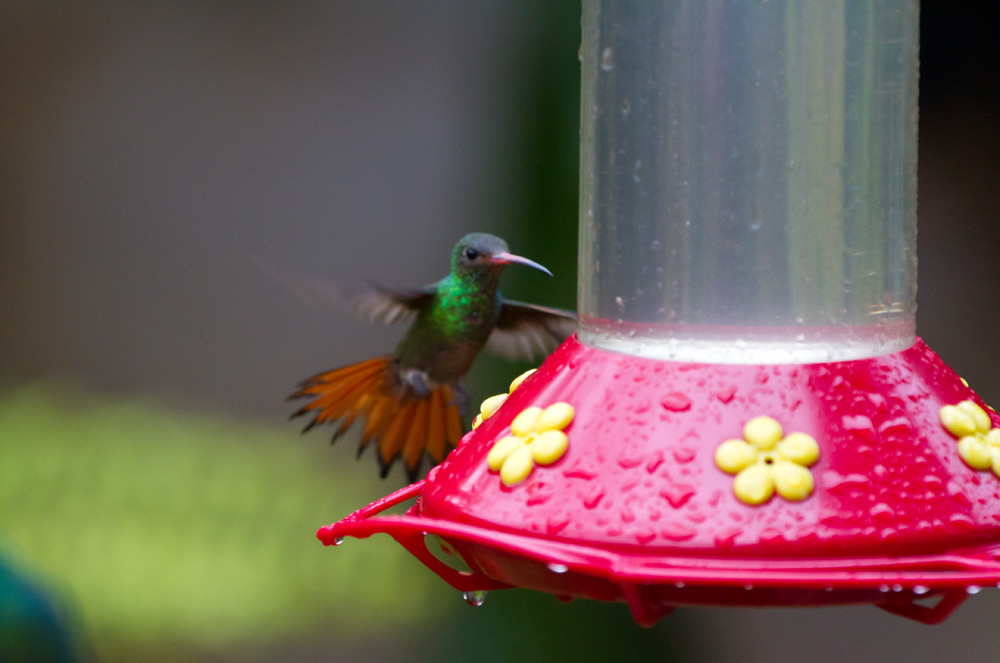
<point x="177" y="528"/>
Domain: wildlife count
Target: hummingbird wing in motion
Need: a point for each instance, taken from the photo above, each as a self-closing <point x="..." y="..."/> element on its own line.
<point x="368" y="301"/>
<point x="374" y="303"/>
<point x="526" y="331"/>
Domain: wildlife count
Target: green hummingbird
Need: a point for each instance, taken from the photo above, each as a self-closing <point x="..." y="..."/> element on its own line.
<point x="411" y="401"/>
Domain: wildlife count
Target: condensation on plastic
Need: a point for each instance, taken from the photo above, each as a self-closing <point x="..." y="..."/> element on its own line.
<point x="748" y="179"/>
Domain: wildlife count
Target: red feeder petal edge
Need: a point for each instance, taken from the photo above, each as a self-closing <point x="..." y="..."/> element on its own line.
<point x="638" y="511"/>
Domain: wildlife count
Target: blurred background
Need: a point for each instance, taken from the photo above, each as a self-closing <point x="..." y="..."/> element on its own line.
<point x="154" y="503"/>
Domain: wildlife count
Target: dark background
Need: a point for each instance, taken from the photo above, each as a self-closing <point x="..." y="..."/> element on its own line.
<point x="151" y="152"/>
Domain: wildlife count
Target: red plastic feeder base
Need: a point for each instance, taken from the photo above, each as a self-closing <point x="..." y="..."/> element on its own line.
<point x="640" y="510"/>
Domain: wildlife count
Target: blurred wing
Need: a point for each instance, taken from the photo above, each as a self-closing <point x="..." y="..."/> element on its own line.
<point x="378" y="303"/>
<point x="368" y="301"/>
<point x="527" y="331"/>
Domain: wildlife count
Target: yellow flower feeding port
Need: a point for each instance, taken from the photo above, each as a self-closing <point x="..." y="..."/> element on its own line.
<point x="765" y="461"/>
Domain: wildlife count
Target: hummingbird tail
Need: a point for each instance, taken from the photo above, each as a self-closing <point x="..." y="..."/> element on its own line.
<point x="402" y="423"/>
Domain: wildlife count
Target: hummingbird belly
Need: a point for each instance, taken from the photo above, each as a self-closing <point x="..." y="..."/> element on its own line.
<point x="440" y="366"/>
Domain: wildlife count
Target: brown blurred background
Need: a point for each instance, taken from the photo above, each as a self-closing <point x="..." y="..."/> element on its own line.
<point x="151" y="152"/>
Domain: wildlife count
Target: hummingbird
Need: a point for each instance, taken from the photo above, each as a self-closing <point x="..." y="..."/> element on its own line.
<point x="412" y="401"/>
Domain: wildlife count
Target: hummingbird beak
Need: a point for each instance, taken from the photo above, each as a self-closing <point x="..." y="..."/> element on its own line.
<point x="505" y="258"/>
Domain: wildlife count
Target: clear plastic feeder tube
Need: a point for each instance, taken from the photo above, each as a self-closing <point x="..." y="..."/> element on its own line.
<point x="748" y="179"/>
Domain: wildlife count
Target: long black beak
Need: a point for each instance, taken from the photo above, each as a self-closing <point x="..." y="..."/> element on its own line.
<point x="508" y="258"/>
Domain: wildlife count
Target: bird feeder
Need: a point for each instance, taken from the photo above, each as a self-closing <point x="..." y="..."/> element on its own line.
<point x="746" y="416"/>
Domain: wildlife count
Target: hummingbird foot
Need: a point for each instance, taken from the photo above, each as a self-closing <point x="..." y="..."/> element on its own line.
<point x="415" y="382"/>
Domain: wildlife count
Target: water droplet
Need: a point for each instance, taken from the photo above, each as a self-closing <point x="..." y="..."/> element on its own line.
<point x="679" y="584"/>
<point x="882" y="511"/>
<point x="595" y="497"/>
<point x="878" y="401"/>
<point x="859" y="425"/>
<point x="642" y="406"/>
<point x="556" y="524"/>
<point x="538" y="493"/>
<point x="645" y="535"/>
<point x="684" y="455"/>
<point x="655" y="461"/>
<point x="726" y="538"/>
<point x="920" y="589"/>
<point x="883" y="588"/>
<point x="580" y="472"/>
<point x="338" y="540"/>
<point x="637" y="171"/>
<point x="558" y="568"/>
<point x="474" y="598"/>
<point x="607" y="59"/>
<point x="957" y="494"/>
<point x="627" y="460"/>
<point x="973" y="589"/>
<point x="678" y="532"/>
<point x="676" y="402"/>
<point x="677" y="494"/>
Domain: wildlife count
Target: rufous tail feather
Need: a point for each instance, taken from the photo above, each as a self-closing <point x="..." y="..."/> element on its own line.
<point x="400" y="422"/>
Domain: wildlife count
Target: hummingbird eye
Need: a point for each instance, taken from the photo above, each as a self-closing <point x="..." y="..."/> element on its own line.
<point x="471" y="254"/>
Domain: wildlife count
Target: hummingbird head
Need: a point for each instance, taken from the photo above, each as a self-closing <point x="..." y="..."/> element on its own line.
<point x="482" y="252"/>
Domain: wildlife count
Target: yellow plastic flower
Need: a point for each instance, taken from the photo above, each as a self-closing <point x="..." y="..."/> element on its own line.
<point x="978" y="440"/>
<point x="766" y="461"/>
<point x="493" y="403"/>
<point x="536" y="437"/>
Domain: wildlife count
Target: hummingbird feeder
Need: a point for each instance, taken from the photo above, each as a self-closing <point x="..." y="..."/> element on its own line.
<point x="745" y="416"/>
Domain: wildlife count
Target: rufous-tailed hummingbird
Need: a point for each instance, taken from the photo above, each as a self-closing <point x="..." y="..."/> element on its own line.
<point x="411" y="400"/>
